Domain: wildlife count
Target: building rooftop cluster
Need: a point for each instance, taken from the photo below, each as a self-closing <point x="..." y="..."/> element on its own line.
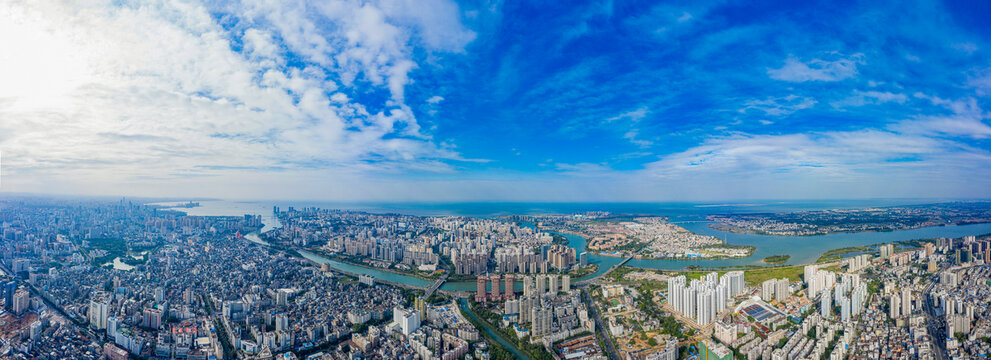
<point x="647" y="236"/>
<point x="92" y="280"/>
<point x="418" y="244"/>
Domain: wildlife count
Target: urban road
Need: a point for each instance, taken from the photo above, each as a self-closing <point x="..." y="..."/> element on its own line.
<point x="936" y="331"/>
<point x="600" y="329"/>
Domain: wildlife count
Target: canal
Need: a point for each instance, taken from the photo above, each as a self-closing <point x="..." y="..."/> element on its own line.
<point x="463" y="303"/>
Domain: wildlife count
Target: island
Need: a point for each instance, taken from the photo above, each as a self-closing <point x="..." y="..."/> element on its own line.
<point x="776" y="259"/>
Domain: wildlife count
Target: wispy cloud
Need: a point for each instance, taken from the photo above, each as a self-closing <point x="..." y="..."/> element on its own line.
<point x="795" y="70"/>
<point x="861" y="98"/>
<point x="778" y="106"/>
<point x="964" y="118"/>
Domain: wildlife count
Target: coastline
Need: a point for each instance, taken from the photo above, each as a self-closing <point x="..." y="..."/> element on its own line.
<point x="737" y="230"/>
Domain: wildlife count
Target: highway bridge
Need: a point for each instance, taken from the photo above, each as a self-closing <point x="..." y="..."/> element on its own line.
<point x="435" y="286"/>
<point x="611" y="268"/>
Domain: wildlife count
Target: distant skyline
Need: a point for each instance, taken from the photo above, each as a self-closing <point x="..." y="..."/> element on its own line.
<point x="436" y="100"/>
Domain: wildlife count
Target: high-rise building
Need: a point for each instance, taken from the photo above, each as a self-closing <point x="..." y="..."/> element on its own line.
<point x="159" y="295"/>
<point x="736" y="282"/>
<point x="22" y="301"/>
<point x="782" y="291"/>
<point x="421" y="307"/>
<point x="480" y="293"/>
<point x="541" y="284"/>
<point x="528" y="289"/>
<point x="112" y="325"/>
<point x="542" y="319"/>
<point x="36" y="328"/>
<point x="99" y="310"/>
<point x="496" y="282"/>
<point x="566" y="283"/>
<point x="281" y="322"/>
<point x="552" y="287"/>
<point x="825" y="304"/>
<point x="8" y="294"/>
<point x="844" y="309"/>
<point x="152" y="318"/>
<point x="583" y="259"/>
<point x="906" y="301"/>
<point x="407" y="320"/>
<point x="510" y="292"/>
<point x="706" y="306"/>
<point x="887" y="250"/>
<point x="768" y="288"/>
<point x="894" y="306"/>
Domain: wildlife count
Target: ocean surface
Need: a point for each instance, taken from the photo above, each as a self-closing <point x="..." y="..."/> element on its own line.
<point x="803" y="249"/>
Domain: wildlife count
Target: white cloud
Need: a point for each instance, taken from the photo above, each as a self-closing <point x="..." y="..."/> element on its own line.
<point x="779" y="106"/>
<point x="968" y="48"/>
<point x="795" y="70"/>
<point x="853" y="163"/>
<point x="965" y="119"/>
<point x="981" y="82"/>
<point x="119" y="93"/>
<point x="861" y="98"/>
<point x="630" y="121"/>
<point x="436" y="99"/>
<point x="582" y="168"/>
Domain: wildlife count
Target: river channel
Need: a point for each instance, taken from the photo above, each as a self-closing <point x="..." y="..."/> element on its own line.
<point x="803" y="249"/>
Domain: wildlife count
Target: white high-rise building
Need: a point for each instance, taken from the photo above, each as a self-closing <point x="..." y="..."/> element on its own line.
<point x="408" y="320"/>
<point x="722" y="297"/>
<point x="99" y="311"/>
<point x="676" y="286"/>
<point x="736" y="282"/>
<point x="781" y="291"/>
<point x="706" y="306"/>
<point x="844" y="309"/>
<point x="824" y="307"/>
<point x="566" y="283"/>
<point x="541" y="284"/>
<point x="894" y="306"/>
<point x="552" y="288"/>
<point x="701" y="299"/>
<point x="906" y="301"/>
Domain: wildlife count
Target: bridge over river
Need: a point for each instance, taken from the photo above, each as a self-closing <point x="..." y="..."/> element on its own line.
<point x="611" y="268"/>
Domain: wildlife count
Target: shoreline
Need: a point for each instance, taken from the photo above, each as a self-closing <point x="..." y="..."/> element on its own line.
<point x="736" y="230"/>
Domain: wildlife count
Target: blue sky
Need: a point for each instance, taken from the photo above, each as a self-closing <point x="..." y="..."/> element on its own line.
<point x="531" y="101"/>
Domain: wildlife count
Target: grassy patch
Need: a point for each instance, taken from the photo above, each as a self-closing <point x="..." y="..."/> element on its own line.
<point x="837" y="254"/>
<point x="753" y="276"/>
<point x="776" y="259"/>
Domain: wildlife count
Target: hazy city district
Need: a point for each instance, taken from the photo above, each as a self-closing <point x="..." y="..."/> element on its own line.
<point x="96" y="279"/>
<point x="856" y="220"/>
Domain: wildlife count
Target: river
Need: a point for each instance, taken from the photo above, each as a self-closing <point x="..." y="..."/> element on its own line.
<point x="492" y="332"/>
<point x="803" y="249"/>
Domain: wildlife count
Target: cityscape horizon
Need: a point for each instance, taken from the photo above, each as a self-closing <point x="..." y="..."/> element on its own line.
<point x="495" y="180"/>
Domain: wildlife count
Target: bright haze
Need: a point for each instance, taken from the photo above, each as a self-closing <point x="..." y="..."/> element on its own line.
<point x="434" y="100"/>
